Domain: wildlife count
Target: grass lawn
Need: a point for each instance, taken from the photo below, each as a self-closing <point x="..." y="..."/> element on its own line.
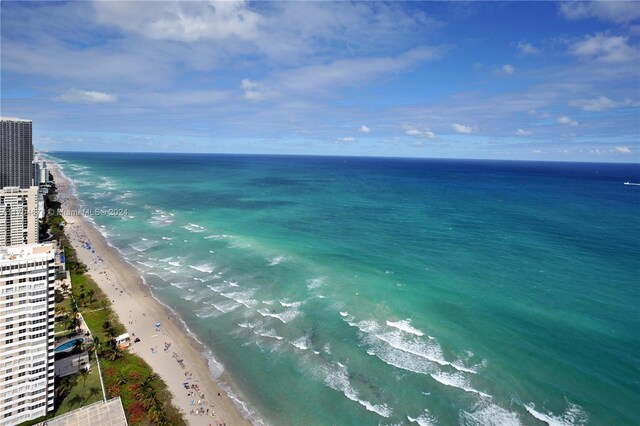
<point x="84" y="392"/>
<point x="60" y="327"/>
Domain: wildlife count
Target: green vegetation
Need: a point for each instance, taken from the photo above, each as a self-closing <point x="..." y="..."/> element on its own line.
<point x="144" y="395"/>
<point x="78" y="390"/>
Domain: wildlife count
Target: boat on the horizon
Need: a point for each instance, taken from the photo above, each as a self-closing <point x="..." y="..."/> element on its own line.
<point x="632" y="183"/>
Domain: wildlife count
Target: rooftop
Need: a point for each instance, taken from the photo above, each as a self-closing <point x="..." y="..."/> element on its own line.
<point x="22" y="120"/>
<point x="110" y="413"/>
<point x="25" y="251"/>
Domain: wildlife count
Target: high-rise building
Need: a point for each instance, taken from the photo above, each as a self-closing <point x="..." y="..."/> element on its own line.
<point x="16" y="152"/>
<point x="27" y="276"/>
<point x="19" y="215"/>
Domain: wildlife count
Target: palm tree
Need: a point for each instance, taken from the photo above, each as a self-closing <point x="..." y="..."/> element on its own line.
<point x="113" y="353"/>
<point x="91" y="293"/>
<point x="83" y="373"/>
<point x="121" y="379"/>
<point x="155" y="413"/>
<point x="94" y="344"/>
<point x="74" y="323"/>
<point x="149" y="400"/>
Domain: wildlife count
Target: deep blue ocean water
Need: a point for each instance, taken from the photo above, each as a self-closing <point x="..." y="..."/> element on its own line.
<point x="390" y="291"/>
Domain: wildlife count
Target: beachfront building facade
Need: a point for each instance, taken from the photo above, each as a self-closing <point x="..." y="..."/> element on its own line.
<point x="40" y="171"/>
<point x="27" y="276"/>
<point x="16" y="152"/>
<point x="19" y="215"/>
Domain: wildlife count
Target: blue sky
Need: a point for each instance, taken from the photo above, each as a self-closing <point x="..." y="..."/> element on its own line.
<point x="512" y="80"/>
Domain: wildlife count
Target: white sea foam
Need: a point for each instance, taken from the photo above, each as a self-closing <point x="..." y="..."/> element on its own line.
<point x="146" y="264"/>
<point x="246" y="325"/>
<point x="276" y="260"/>
<point x="344" y="314"/>
<point x="270" y="333"/>
<point x="401" y="350"/>
<point x="143" y="245"/>
<point x="366" y="326"/>
<point x="180" y="285"/>
<point x="193" y="227"/>
<point x="337" y="378"/>
<point x="207" y="268"/>
<point x="210" y="312"/>
<point x="405" y="325"/>
<point x="456" y="380"/>
<point x="429" y="350"/>
<point x="217" y="288"/>
<point x="174" y="263"/>
<point x="242" y="297"/>
<point x="574" y="415"/>
<point x="240" y="244"/>
<point x="161" y="218"/>
<point x="215" y="368"/>
<point x="290" y="304"/>
<point x="486" y="413"/>
<point x="233" y="284"/>
<point x="124" y="196"/>
<point x="284" y="316"/>
<point x="315" y="282"/>
<point x="226" y="307"/>
<point x="302" y="343"/>
<point x="219" y="237"/>
<point x="402" y="360"/>
<point x="424" y="419"/>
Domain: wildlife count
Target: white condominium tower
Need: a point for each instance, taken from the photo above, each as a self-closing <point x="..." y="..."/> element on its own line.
<point x="16" y="152"/>
<point x="18" y="216"/>
<point x="27" y="275"/>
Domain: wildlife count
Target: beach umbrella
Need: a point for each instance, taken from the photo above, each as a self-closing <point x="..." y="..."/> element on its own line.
<point x="157" y="324"/>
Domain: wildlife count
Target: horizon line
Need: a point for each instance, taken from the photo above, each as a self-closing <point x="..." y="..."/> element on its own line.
<point x="343" y="156"/>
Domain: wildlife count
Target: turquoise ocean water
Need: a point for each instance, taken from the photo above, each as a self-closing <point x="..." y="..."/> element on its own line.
<point x="354" y="291"/>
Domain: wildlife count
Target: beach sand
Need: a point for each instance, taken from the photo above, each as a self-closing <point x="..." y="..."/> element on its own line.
<point x="139" y="311"/>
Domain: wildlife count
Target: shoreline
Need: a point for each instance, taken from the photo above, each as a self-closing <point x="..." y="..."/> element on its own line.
<point x="139" y="310"/>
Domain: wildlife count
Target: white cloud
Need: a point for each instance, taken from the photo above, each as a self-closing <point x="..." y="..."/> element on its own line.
<point x="604" y="48"/>
<point x="619" y="12"/>
<point x="182" y="98"/>
<point x="527" y="48"/>
<point x="508" y="69"/>
<point x="346" y="139"/>
<point x="461" y="128"/>
<point x="248" y="84"/>
<point x="596" y="104"/>
<point x="563" y="119"/>
<point x="539" y="114"/>
<point x="354" y="72"/>
<point x="181" y="21"/>
<point x="86" y="97"/>
<point x="522" y="132"/>
<point x="255" y="91"/>
<point x="417" y="133"/>
<point x="622" y="149"/>
<point x="364" y="129"/>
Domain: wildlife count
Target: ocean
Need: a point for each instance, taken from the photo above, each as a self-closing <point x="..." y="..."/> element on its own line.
<point x="377" y="291"/>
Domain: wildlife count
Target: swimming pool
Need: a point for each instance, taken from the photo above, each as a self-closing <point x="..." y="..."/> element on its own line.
<point x="68" y="345"/>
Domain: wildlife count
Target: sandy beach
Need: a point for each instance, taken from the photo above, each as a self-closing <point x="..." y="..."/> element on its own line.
<point x="169" y="349"/>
